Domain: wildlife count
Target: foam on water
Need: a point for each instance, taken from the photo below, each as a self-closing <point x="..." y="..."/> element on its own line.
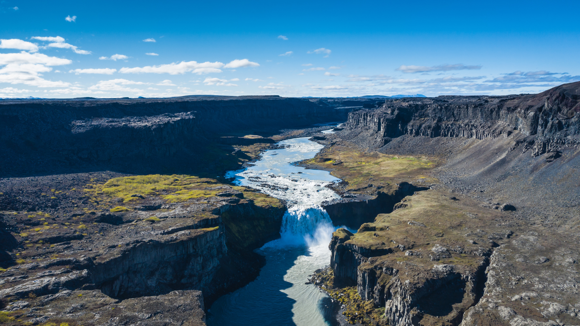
<point x="279" y="296"/>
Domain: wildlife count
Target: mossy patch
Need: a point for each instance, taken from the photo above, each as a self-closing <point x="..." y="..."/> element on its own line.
<point x="361" y="169"/>
<point x="153" y="219"/>
<point x="119" y="209"/>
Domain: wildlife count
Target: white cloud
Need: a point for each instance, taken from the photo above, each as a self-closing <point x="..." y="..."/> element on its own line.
<point x="31" y="58"/>
<point x="68" y="46"/>
<point x="54" y="39"/>
<point x="253" y="79"/>
<point x="152" y="54"/>
<point x="321" y="51"/>
<point x="330" y="88"/>
<point x="28" y="74"/>
<point x="115" y="57"/>
<point x="27" y="68"/>
<point x="313" y="69"/>
<point x="282" y="37"/>
<point x="166" y="82"/>
<point x="334" y="68"/>
<point x="273" y="86"/>
<point x="58" y="42"/>
<point x="286" y="54"/>
<point x="177" y="68"/>
<point x="418" y="69"/>
<point x="71" y="19"/>
<point x="241" y="63"/>
<point x="17" y="44"/>
<point x="306" y="64"/>
<point x="117" y="85"/>
<point x="235" y="79"/>
<point x="330" y="74"/>
<point x="100" y="71"/>
<point x="15" y="8"/>
<point x="218" y="82"/>
<point x="152" y="40"/>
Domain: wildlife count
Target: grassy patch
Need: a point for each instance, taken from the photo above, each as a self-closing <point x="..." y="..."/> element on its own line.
<point x="360" y="168"/>
<point x="119" y="209"/>
<point x="153" y="219"/>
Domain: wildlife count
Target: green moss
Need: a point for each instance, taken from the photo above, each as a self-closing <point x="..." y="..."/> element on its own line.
<point x="152" y="219"/>
<point x="185" y="195"/>
<point x="5" y="317"/>
<point x="119" y="209"/>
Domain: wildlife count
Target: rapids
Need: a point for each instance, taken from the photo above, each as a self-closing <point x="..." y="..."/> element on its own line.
<point x="279" y="295"/>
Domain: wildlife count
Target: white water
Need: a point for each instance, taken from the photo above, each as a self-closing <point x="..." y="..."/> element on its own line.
<point x="279" y="296"/>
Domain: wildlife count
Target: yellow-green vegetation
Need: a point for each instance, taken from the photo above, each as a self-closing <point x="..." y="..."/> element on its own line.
<point x="119" y="209"/>
<point x="20" y="261"/>
<point x="82" y="226"/>
<point x="360" y="168"/>
<point x="2" y="270"/>
<point x="259" y="199"/>
<point x="428" y="218"/>
<point x="172" y="188"/>
<point x="356" y="309"/>
<point x="153" y="219"/>
<point x="6" y="317"/>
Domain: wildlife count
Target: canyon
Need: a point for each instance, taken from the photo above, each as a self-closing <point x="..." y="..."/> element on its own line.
<point x="118" y="211"/>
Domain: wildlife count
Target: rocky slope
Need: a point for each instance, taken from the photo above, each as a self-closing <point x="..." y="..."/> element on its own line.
<point x="109" y="239"/>
<point x="493" y="242"/>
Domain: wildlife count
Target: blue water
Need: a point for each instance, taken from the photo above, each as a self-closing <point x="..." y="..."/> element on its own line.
<point x="279" y="295"/>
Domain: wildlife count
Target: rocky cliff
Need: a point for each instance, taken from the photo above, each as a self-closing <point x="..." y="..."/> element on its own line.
<point x="494" y="239"/>
<point x="142" y="135"/>
<point x="142" y="237"/>
<point x="548" y="121"/>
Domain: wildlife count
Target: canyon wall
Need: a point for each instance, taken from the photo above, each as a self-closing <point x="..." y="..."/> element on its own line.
<point x="141" y="135"/>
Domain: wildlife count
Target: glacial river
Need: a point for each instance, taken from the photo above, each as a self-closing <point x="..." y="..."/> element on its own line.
<point x="279" y="295"/>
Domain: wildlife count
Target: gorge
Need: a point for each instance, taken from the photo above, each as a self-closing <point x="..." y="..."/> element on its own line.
<point x="457" y="210"/>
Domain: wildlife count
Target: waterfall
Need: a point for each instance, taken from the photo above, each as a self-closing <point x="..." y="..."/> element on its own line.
<point x="306" y="225"/>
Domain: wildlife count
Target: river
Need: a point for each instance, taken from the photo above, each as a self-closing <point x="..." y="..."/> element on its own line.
<point x="279" y="295"/>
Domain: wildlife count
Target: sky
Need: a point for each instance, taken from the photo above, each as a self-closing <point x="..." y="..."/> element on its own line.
<point x="108" y="49"/>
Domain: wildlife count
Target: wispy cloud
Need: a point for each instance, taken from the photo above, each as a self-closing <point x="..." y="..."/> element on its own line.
<point x="166" y="82"/>
<point x="100" y="71"/>
<point x="219" y="82"/>
<point x="152" y="54"/>
<point x="59" y="42"/>
<point x="420" y="69"/>
<point x="27" y="68"/>
<point x="241" y="63"/>
<point x="334" y="68"/>
<point x="117" y="85"/>
<point x="286" y="54"/>
<point x="151" y="40"/>
<point x="306" y="64"/>
<point x="17" y="44"/>
<point x="15" y="8"/>
<point x="272" y="86"/>
<point x="115" y="57"/>
<point x="195" y="67"/>
<point x="71" y="19"/>
<point x="321" y="51"/>
<point x="253" y="79"/>
<point x="314" y="69"/>
<point x="282" y="37"/>
<point x="330" y="74"/>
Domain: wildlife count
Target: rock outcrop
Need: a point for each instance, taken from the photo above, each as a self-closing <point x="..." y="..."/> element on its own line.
<point x="180" y="135"/>
<point x="175" y="241"/>
<point x="549" y="120"/>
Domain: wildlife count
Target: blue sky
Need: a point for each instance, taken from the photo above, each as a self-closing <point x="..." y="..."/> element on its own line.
<point x="106" y="48"/>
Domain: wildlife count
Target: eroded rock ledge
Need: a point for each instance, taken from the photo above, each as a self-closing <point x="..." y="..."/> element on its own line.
<point x="172" y="241"/>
